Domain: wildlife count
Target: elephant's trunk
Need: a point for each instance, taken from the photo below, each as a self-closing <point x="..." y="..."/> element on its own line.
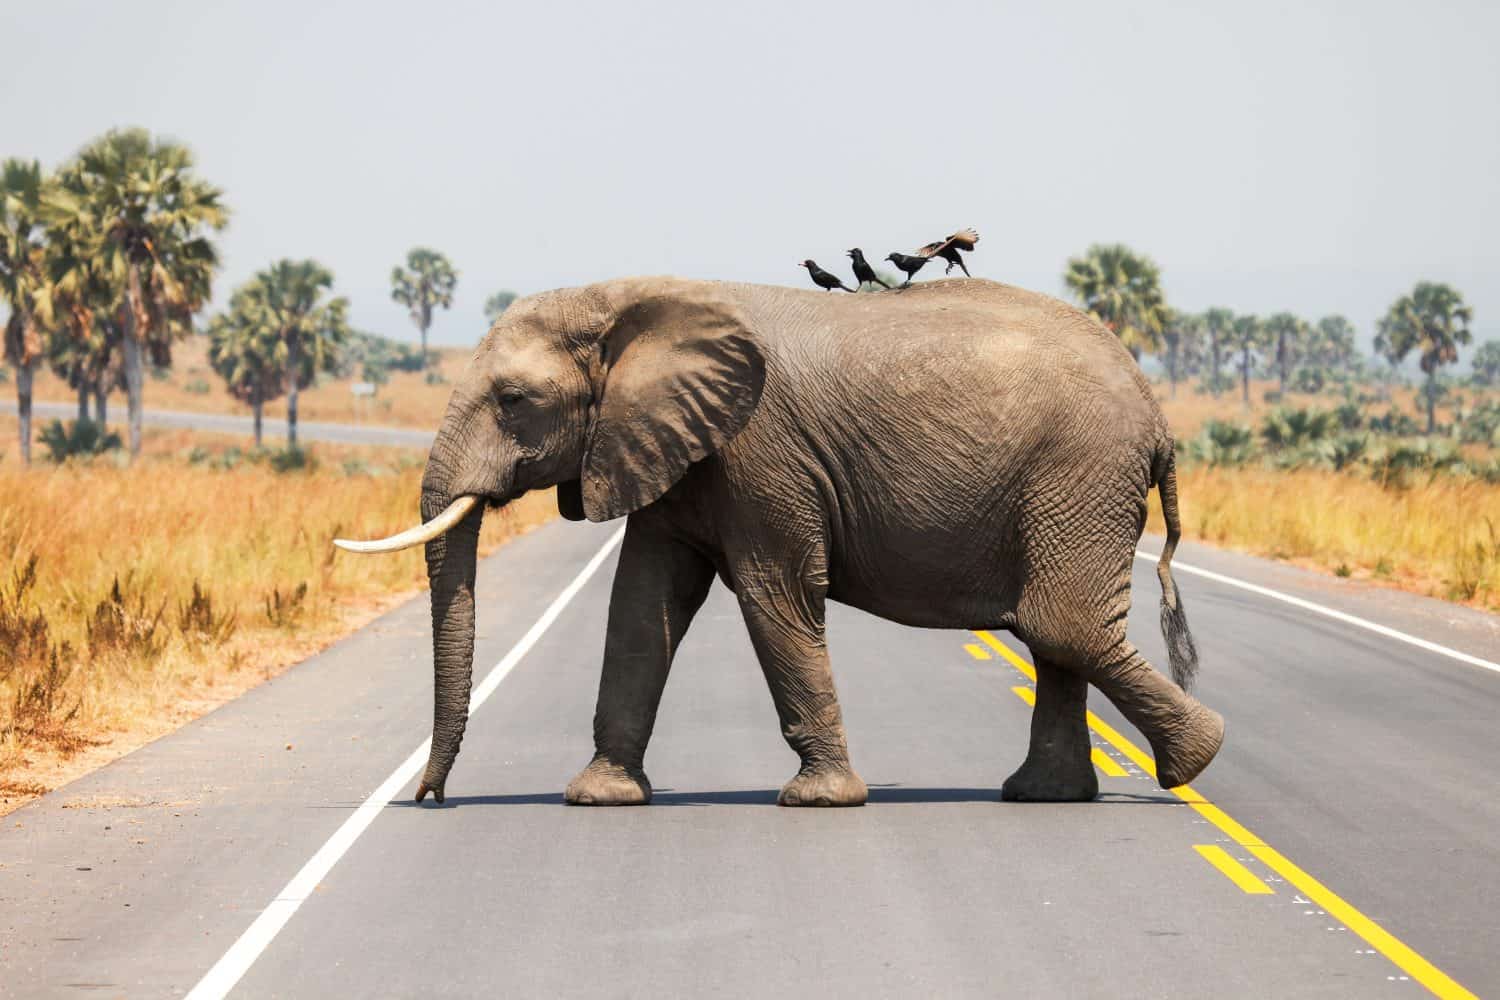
<point x="450" y="571"/>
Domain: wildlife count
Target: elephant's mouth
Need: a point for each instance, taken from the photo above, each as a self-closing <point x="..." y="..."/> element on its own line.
<point x="422" y="533"/>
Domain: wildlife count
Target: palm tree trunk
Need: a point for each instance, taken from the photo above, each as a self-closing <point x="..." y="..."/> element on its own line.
<point x="256" y="406"/>
<point x="426" y="322"/>
<point x="23" y="407"/>
<point x="1172" y="369"/>
<point x="134" y="375"/>
<point x="293" y="350"/>
<point x="1245" y="376"/>
<point x="83" y="402"/>
<point x="1431" y="402"/>
<point x="101" y="404"/>
<point x="1213" y="347"/>
<point x="1281" y="359"/>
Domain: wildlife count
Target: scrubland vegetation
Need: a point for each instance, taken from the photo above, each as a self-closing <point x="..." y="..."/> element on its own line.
<point x="139" y="595"/>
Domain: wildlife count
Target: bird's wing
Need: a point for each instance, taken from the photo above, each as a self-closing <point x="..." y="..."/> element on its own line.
<point x="964" y="239"/>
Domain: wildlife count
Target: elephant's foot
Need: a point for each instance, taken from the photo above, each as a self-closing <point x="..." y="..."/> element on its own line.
<point x="1052" y="778"/>
<point x="605" y="784"/>
<point x="826" y="785"/>
<point x="1188" y="745"/>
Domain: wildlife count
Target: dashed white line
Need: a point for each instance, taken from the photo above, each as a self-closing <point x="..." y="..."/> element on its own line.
<point x="1347" y="619"/>
<point x="229" y="969"/>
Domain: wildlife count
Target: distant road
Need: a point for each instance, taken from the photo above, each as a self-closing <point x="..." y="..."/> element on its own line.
<point x="271" y="848"/>
<point x="223" y="423"/>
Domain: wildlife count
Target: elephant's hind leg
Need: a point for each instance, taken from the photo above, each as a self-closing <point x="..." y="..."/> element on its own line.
<point x="1183" y="733"/>
<point x="1058" y="765"/>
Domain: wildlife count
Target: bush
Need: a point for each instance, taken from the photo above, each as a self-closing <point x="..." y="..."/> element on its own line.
<point x="1221" y="442"/>
<point x="1293" y="428"/>
<point x="1349" y="415"/>
<point x="198" y="387"/>
<point x="80" y="439"/>
<point x="292" y="460"/>
<point x="160" y="373"/>
<point x="436" y="378"/>
<point x="1482" y="425"/>
<point x="1393" y="421"/>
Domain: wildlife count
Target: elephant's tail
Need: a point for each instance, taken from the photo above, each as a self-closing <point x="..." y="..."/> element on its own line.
<point x="1181" y="651"/>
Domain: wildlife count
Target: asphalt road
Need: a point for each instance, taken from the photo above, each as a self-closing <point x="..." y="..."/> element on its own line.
<point x="1356" y="792"/>
<point x="223" y="423"/>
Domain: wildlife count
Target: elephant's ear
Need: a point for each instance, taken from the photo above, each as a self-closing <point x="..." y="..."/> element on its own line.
<point x="681" y="376"/>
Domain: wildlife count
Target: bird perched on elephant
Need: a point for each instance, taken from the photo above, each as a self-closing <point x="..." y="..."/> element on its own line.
<point x="864" y="274"/>
<point x="948" y="249"/>
<point x="964" y="455"/>
<point x="823" y="279"/>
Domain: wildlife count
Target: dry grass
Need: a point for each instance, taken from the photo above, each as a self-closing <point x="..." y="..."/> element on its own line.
<point x="1191" y="410"/>
<point x="137" y="598"/>
<point x="1439" y="536"/>
<point x="407" y="400"/>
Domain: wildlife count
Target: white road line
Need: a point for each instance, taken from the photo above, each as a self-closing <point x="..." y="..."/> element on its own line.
<point x="228" y="970"/>
<point x="1347" y="619"/>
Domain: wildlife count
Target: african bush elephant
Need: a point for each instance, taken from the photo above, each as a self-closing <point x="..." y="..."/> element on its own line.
<point x="959" y="454"/>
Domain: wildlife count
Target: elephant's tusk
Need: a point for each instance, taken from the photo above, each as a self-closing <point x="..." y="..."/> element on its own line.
<point x="415" y="536"/>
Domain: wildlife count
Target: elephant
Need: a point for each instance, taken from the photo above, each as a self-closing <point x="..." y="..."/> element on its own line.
<point x="957" y="454"/>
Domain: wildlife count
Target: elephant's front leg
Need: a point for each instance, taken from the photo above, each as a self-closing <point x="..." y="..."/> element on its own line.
<point x="659" y="585"/>
<point x="786" y="628"/>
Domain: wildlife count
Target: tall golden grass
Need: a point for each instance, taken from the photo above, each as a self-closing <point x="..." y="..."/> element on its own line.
<point x="133" y="591"/>
<point x="1439" y="535"/>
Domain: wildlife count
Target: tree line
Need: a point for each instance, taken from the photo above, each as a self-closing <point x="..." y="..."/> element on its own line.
<point x="1123" y="289"/>
<point x="106" y="262"/>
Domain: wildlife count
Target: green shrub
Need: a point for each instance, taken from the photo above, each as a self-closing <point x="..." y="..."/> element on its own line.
<point x="1293" y="428"/>
<point x="292" y="459"/>
<point x="79" y="439"/>
<point x="1221" y="442"/>
<point x="198" y="387"/>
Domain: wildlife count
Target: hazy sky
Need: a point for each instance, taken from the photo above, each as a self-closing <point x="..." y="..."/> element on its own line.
<point x="1317" y="157"/>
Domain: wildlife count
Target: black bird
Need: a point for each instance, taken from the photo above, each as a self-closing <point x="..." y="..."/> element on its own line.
<point x="822" y="278"/>
<point x="949" y="249"/>
<point x="863" y="272"/>
<point x="907" y="263"/>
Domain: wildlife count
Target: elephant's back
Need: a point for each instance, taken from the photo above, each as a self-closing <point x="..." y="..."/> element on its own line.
<point x="964" y="363"/>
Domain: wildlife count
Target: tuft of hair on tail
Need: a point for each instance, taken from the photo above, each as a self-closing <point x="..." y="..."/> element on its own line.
<point x="1182" y="652"/>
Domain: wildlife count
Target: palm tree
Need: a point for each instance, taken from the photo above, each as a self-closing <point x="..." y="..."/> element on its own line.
<point x="1182" y="333"/>
<point x="1218" y="323"/>
<point x="286" y="300"/>
<point x="1433" y="320"/>
<point x="1247" y="336"/>
<point x="497" y="304"/>
<point x="425" y="283"/>
<point x="1123" y="289"/>
<point x="146" y="214"/>
<point x="29" y="201"/>
<point x="247" y="351"/>
<point x="1333" y="343"/>
<point x="1289" y="334"/>
<point x="1486" y="363"/>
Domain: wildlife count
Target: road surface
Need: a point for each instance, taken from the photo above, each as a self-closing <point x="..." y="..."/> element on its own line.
<point x="1343" y="844"/>
<point x="224" y="423"/>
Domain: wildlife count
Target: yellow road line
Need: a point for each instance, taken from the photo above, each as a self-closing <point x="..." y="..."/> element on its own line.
<point x="1106" y="763"/>
<point x="1377" y="937"/>
<point x="1025" y="694"/>
<point x="977" y="651"/>
<point x="1233" y="869"/>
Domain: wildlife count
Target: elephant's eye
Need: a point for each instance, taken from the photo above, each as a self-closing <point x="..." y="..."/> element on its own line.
<point x="510" y="397"/>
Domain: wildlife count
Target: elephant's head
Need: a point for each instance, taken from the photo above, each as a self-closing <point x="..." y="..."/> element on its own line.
<point x="608" y="392"/>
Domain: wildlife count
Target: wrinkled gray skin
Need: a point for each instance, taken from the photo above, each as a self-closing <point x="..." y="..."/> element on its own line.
<point x="959" y="454"/>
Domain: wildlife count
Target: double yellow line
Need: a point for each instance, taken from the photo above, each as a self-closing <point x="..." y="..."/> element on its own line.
<point x="1411" y="963"/>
